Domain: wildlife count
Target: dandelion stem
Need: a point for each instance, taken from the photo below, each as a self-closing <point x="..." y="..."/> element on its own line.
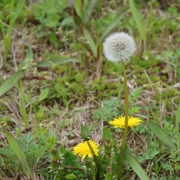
<point x="96" y="162"/>
<point x="120" y="164"/>
<point x="92" y="170"/>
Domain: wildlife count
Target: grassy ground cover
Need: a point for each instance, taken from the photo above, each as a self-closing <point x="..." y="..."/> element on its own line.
<point x="54" y="78"/>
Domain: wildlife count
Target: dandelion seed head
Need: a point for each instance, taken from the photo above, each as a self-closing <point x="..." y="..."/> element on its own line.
<point x="118" y="47"/>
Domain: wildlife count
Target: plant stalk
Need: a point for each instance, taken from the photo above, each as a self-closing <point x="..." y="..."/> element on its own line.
<point x="96" y="162"/>
<point x="120" y="163"/>
<point x="92" y="171"/>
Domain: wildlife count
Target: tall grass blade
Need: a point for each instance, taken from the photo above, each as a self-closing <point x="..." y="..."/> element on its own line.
<point x="7" y="85"/>
<point x="91" y="42"/>
<point x="138" y="19"/>
<point x="177" y="126"/>
<point x="18" y="152"/>
<point x="7" y="39"/>
<point x="161" y="134"/>
<point x="22" y="106"/>
<point x="112" y="25"/>
<point x="136" y="166"/>
<point x="18" y="10"/>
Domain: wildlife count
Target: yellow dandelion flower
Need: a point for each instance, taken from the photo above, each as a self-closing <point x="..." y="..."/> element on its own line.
<point x="120" y="122"/>
<point x="83" y="150"/>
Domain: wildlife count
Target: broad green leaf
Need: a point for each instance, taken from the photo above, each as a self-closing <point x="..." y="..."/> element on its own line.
<point x="91" y="42"/>
<point x="8" y="84"/>
<point x="135" y="166"/>
<point x="177" y="126"/>
<point x="57" y="60"/>
<point x="112" y="25"/>
<point x="78" y="6"/>
<point x="161" y="134"/>
<point x="89" y="10"/>
<point x="137" y="18"/>
<point x="44" y="94"/>
<point x="18" y="152"/>
<point x="107" y="133"/>
<point x="53" y="38"/>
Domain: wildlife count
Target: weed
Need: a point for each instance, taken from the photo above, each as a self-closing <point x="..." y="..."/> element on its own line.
<point x="8" y="33"/>
<point x="56" y="90"/>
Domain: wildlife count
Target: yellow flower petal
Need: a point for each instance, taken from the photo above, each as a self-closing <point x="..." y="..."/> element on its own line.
<point x="83" y="150"/>
<point x="120" y="122"/>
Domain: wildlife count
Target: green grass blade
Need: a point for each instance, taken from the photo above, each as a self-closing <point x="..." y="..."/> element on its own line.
<point x="91" y="42"/>
<point x="112" y="25"/>
<point x="3" y="29"/>
<point x="18" y="10"/>
<point x="138" y="19"/>
<point x="177" y="126"/>
<point x="11" y="24"/>
<point x="7" y="85"/>
<point x="161" y="134"/>
<point x="22" y="106"/>
<point x="18" y="152"/>
<point x="136" y="166"/>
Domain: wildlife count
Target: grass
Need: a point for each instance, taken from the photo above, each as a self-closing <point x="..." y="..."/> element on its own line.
<point x="54" y="77"/>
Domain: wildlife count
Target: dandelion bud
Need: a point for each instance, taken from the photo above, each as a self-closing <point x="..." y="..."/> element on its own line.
<point x="119" y="47"/>
<point x="84" y="131"/>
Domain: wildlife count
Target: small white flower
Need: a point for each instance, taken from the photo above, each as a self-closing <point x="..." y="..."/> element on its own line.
<point x="118" y="47"/>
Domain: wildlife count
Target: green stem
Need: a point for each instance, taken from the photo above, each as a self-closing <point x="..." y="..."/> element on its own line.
<point x="92" y="170"/>
<point x="96" y="162"/>
<point x="120" y="163"/>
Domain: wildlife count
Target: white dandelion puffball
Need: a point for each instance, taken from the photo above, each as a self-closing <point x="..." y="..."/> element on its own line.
<point x="118" y="47"/>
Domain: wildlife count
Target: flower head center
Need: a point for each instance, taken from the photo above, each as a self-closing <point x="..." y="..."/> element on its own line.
<point x="119" y="46"/>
